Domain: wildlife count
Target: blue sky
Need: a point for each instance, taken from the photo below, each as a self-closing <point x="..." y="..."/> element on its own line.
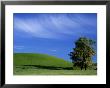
<point x="52" y="33"/>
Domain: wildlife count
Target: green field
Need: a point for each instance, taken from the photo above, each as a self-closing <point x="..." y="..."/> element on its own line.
<point x="42" y="64"/>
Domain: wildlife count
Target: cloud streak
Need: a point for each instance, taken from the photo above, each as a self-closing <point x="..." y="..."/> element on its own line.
<point x="54" y="25"/>
<point x="18" y="47"/>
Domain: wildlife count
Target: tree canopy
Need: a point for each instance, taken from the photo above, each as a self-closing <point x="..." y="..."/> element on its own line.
<point x="83" y="52"/>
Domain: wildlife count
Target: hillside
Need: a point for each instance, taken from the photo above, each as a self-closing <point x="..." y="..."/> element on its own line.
<point x="39" y="59"/>
<point x="42" y="64"/>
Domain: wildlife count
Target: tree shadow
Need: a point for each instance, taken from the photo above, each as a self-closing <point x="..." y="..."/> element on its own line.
<point x="46" y="67"/>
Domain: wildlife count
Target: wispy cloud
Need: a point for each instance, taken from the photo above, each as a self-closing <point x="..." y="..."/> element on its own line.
<point x="53" y="50"/>
<point x="18" y="47"/>
<point x="53" y="25"/>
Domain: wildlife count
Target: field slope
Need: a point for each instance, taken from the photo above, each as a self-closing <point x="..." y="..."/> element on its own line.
<point x="43" y="64"/>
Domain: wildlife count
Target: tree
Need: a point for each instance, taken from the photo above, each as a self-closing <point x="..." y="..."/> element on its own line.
<point x="83" y="52"/>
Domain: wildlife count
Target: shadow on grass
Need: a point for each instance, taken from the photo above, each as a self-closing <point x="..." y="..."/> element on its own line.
<point x="45" y="67"/>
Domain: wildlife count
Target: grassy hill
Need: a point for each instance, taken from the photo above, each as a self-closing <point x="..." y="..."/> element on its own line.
<point x="39" y="59"/>
<point x="43" y="64"/>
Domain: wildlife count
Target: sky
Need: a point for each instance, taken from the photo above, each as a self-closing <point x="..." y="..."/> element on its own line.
<point x="52" y="33"/>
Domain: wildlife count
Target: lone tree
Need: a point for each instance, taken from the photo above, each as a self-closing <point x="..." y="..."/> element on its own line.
<point x="83" y="52"/>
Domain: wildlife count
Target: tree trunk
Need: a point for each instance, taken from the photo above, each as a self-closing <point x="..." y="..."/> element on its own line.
<point x="82" y="64"/>
<point x="73" y="66"/>
<point x="85" y="66"/>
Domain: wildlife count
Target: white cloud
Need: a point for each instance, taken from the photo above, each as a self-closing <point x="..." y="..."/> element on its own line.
<point x="32" y="27"/>
<point x="50" y="26"/>
<point x="53" y="50"/>
<point x="18" y="47"/>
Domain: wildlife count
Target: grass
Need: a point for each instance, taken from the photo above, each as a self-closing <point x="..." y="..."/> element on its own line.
<point x="42" y="64"/>
<point x="34" y="71"/>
